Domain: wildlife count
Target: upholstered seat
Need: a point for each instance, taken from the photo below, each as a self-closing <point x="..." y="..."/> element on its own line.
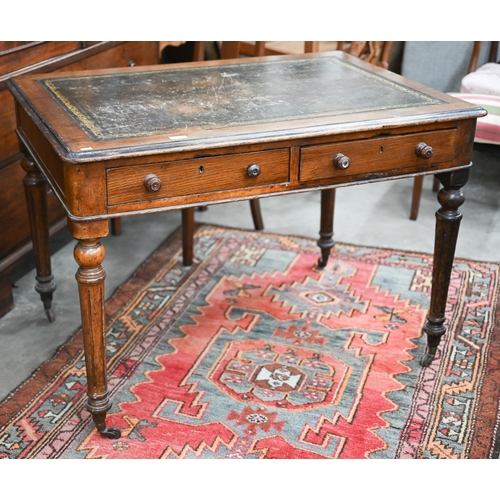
<point x="487" y="127"/>
<point x="485" y="80"/>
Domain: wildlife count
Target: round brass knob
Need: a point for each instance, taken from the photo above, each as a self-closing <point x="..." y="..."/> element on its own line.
<point x="423" y="151"/>
<point x="253" y="170"/>
<point x="152" y="183"/>
<point x="341" y="161"/>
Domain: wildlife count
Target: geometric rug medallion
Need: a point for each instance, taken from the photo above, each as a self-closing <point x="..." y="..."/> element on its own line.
<point x="253" y="352"/>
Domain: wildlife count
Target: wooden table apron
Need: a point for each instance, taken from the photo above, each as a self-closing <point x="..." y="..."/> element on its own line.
<point x="130" y="141"/>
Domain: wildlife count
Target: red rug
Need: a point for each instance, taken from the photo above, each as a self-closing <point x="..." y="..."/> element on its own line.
<point x="253" y="352"/>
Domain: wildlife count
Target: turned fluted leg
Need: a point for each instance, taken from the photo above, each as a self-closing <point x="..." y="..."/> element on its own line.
<point x="325" y="241"/>
<point x="89" y="254"/>
<point x="35" y="188"/>
<point x="448" y="219"/>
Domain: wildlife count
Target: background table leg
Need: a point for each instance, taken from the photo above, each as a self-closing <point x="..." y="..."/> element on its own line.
<point x="35" y="188"/>
<point x="325" y="241"/>
<point x="417" y="194"/>
<point x="258" y="221"/>
<point x="89" y="254"/>
<point x="187" y="236"/>
<point x="448" y="219"/>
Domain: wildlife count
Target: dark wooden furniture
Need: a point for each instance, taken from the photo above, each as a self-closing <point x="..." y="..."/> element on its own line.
<point x="126" y="142"/>
<point x="373" y="52"/>
<point x="17" y="58"/>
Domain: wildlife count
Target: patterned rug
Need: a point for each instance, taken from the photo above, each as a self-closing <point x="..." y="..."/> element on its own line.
<point x="254" y="352"/>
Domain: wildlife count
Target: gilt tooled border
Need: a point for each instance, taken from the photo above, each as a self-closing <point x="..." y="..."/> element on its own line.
<point x="97" y="133"/>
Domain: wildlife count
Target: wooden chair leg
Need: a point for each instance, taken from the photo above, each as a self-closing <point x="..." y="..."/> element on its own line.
<point x="187" y="235"/>
<point x="230" y="50"/>
<point x="435" y="185"/>
<point x="199" y="51"/>
<point x="325" y="241"/>
<point x="116" y="227"/>
<point x="256" y="214"/>
<point x="417" y="193"/>
<point x="311" y="47"/>
<point x="260" y="49"/>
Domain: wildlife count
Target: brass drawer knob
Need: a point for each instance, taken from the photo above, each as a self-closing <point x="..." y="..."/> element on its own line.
<point x="423" y="151"/>
<point x="341" y="161"/>
<point x="152" y="183"/>
<point x="253" y="170"/>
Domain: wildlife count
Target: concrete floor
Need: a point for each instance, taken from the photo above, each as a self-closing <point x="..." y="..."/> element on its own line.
<point x="373" y="215"/>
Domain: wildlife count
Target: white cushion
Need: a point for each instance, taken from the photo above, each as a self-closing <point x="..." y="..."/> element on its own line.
<point x="485" y="80"/>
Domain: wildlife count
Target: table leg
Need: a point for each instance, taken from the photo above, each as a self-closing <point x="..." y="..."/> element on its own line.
<point x="35" y="188"/>
<point x="325" y="241"/>
<point x="116" y="226"/>
<point x="256" y="214"/>
<point x="417" y="194"/>
<point x="187" y="236"/>
<point x="448" y="219"/>
<point x="89" y="254"/>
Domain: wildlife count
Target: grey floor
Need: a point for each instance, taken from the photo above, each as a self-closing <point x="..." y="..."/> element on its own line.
<point x="374" y="215"/>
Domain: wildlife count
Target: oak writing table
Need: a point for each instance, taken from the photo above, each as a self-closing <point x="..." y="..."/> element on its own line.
<point x="113" y="143"/>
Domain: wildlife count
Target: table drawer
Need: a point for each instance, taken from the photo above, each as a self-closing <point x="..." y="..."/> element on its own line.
<point x="370" y="156"/>
<point x="198" y="176"/>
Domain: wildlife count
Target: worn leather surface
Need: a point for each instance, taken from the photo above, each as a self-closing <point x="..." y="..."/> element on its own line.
<point x="147" y="103"/>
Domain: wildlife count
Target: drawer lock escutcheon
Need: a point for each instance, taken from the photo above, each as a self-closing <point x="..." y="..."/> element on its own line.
<point x="423" y="150"/>
<point x="152" y="183"/>
<point x="341" y="161"/>
<point x="253" y="170"/>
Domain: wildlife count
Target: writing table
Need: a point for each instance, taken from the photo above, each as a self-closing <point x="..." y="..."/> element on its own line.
<point x="113" y="143"/>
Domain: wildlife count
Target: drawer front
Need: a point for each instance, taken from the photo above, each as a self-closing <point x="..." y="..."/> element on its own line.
<point x="198" y="176"/>
<point x="369" y="157"/>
